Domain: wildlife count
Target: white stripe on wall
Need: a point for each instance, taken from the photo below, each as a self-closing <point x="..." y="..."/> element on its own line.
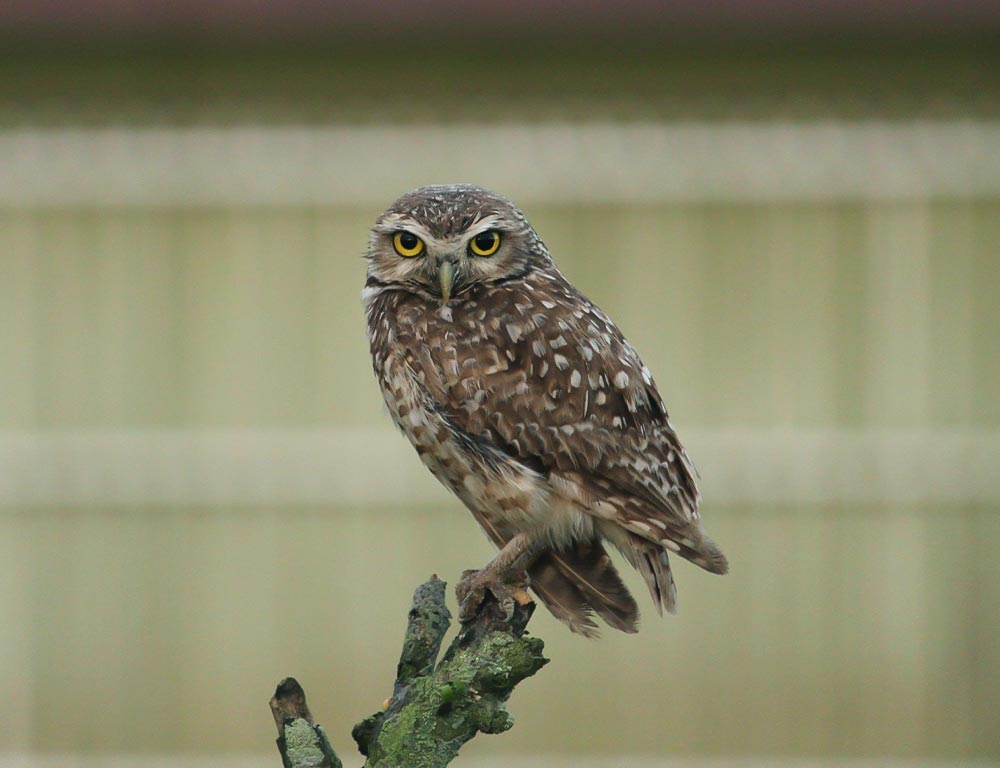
<point x="550" y="162"/>
<point x="377" y="467"/>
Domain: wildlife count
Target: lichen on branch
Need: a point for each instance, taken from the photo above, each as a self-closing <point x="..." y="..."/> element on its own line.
<point x="436" y="705"/>
<point x="432" y="714"/>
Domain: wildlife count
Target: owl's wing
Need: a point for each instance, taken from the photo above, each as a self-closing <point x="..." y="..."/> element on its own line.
<point x="548" y="378"/>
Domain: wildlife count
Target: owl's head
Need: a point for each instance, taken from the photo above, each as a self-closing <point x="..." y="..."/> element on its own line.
<point x="443" y="242"/>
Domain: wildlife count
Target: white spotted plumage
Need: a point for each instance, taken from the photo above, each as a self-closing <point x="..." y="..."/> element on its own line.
<point x="526" y="401"/>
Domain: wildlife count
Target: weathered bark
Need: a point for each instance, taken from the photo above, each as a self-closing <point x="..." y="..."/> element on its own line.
<point x="301" y="742"/>
<point x="436" y="706"/>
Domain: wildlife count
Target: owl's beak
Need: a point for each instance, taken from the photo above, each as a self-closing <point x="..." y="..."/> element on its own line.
<point x="446" y="276"/>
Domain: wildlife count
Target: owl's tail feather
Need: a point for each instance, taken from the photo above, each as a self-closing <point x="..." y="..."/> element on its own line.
<point x="653" y="563"/>
<point x="701" y="551"/>
<point x="577" y="582"/>
<point x="687" y="540"/>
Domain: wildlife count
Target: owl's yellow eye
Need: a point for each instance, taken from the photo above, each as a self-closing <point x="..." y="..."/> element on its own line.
<point x="485" y="243"/>
<point x="407" y="244"/>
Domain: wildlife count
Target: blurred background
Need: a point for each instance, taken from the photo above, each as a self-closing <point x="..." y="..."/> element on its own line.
<point x="792" y="210"/>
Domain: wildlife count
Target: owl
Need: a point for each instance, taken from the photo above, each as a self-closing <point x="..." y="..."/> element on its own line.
<point x="525" y="400"/>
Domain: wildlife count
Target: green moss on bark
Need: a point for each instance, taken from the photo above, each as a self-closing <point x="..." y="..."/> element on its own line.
<point x="436" y="706"/>
<point x="432" y="714"/>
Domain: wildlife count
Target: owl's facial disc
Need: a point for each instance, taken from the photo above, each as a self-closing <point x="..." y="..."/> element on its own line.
<point x="444" y="243"/>
<point x="443" y="263"/>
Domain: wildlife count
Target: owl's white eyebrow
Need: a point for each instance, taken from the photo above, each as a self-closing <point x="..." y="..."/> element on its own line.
<point x="484" y="224"/>
<point x="395" y="223"/>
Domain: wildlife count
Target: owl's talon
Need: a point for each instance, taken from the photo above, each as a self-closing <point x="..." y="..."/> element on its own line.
<point x="507" y="589"/>
<point x="470" y="592"/>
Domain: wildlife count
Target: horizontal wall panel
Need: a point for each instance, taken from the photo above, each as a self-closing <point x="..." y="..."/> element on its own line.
<point x="352" y="165"/>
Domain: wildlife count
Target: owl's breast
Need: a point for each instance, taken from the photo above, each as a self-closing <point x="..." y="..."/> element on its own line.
<point x="392" y="334"/>
<point x="411" y="351"/>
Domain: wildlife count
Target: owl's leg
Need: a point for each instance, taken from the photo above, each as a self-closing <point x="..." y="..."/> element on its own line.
<point x="505" y="577"/>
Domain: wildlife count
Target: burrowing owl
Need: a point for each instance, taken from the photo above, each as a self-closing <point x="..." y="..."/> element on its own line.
<point x="525" y="400"/>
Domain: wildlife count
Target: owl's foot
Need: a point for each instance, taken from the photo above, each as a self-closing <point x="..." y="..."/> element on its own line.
<point x="507" y="588"/>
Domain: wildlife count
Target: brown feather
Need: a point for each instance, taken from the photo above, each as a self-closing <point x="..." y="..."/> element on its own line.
<point x="587" y="567"/>
<point x="562" y="597"/>
<point x="525" y="400"/>
<point x="654" y="565"/>
<point x="576" y="583"/>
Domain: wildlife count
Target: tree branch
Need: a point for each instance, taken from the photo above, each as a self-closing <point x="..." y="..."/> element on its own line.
<point x="435" y="706"/>
<point x="301" y="742"/>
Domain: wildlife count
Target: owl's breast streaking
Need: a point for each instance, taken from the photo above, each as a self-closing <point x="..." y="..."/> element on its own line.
<point x="527" y="386"/>
<point x="436" y="375"/>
